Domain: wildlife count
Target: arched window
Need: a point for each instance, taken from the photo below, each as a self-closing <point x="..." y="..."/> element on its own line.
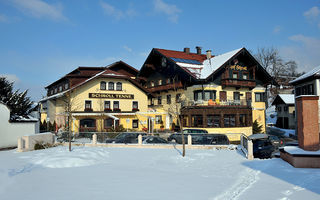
<point x="119" y="86"/>
<point x="111" y="86"/>
<point x="102" y="85"/>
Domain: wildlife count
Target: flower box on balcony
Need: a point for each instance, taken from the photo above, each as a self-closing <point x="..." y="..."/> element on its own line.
<point x="116" y="110"/>
<point x="88" y="110"/>
<point x="107" y="110"/>
<point x="135" y="109"/>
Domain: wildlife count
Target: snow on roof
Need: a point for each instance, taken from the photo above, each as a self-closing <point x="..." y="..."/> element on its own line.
<point x="212" y="64"/>
<point x="315" y="71"/>
<point x="287" y="98"/>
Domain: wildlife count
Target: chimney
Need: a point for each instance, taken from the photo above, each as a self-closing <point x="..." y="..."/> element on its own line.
<point x="208" y="54"/>
<point x="198" y="50"/>
<point x="186" y="50"/>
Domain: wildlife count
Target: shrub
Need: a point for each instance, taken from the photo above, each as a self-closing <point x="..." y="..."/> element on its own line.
<point x="256" y="128"/>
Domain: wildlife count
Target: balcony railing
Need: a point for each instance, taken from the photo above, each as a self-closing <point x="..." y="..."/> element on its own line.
<point x="238" y="83"/>
<point x="170" y="86"/>
<point x="228" y="103"/>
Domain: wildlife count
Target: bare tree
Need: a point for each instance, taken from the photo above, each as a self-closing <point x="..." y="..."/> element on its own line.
<point x="69" y="107"/>
<point x="174" y="110"/>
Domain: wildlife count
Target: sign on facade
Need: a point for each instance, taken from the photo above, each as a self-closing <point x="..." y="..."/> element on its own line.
<point x="111" y="96"/>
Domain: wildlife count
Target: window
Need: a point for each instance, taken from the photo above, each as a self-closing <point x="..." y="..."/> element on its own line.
<point x="259" y="96"/>
<point x="158" y="119"/>
<point x="66" y="86"/>
<point x="279" y="109"/>
<point x="160" y="82"/>
<point x="135" y="123"/>
<point x="204" y="95"/>
<point x="169" y="99"/>
<point x="242" y="120"/>
<point x="107" y="105"/>
<point x="305" y="90"/>
<point x="60" y="88"/>
<point x="55" y="90"/>
<point x="229" y="120"/>
<point x="213" y="120"/>
<point x="108" y="123"/>
<point x="159" y="100"/>
<point x="111" y="86"/>
<point x="245" y="76"/>
<point x="152" y="83"/>
<point x="51" y="92"/>
<point x="102" y="85"/>
<point x="116" y="105"/>
<point x="285" y="108"/>
<point x="135" y="105"/>
<point x="178" y="96"/>
<point x="87" y="105"/>
<point x="236" y="96"/>
<point x="197" y="120"/>
<point x="235" y="75"/>
<point x="119" y="86"/>
<point x="87" y="123"/>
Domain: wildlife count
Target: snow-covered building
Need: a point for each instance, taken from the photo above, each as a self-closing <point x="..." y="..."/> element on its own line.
<point x="222" y="93"/>
<point x="285" y="108"/>
<point x="308" y="84"/>
<point x="12" y="130"/>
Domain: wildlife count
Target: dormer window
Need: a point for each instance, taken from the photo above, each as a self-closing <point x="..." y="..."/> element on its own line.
<point x="111" y="86"/>
<point x="119" y="86"/>
<point x="164" y="62"/>
<point x="102" y="85"/>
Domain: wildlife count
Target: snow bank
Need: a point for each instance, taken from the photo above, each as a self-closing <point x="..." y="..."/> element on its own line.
<point x="60" y="157"/>
<point x="297" y="150"/>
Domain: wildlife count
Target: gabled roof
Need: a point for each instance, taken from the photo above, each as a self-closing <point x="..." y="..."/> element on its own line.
<point x="284" y="99"/>
<point x="106" y="73"/>
<point x="212" y="64"/>
<point x="313" y="72"/>
<point x="182" y="55"/>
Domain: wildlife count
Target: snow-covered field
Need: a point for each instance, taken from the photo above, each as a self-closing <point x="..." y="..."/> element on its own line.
<point x="128" y="173"/>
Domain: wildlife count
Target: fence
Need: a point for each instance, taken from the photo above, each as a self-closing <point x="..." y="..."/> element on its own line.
<point x="246" y="146"/>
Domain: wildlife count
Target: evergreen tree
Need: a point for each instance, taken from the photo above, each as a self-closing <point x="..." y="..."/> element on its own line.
<point x="256" y="128"/>
<point x="18" y="102"/>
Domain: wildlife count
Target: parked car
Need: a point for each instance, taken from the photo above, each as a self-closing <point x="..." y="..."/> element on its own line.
<point x="194" y="131"/>
<point x="125" y="138"/>
<point x="201" y="138"/>
<point x="262" y="148"/>
<point x="153" y="140"/>
<point x="277" y="142"/>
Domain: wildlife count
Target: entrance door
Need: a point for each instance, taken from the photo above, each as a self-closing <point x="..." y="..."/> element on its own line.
<point x="223" y="96"/>
<point x="286" y="122"/>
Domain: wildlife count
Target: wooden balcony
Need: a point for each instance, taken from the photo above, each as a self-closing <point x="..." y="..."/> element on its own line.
<point x="222" y="104"/>
<point x="238" y="83"/>
<point x="166" y="87"/>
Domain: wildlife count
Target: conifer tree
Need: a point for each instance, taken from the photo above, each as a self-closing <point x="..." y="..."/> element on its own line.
<point x="256" y="128"/>
<point x="18" y="102"/>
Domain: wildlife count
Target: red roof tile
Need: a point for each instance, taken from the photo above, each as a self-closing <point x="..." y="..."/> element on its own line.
<point x="182" y="55"/>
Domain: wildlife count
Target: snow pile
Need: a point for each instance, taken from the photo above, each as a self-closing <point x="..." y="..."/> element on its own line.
<point x="297" y="150"/>
<point x="130" y="173"/>
<point x="60" y="157"/>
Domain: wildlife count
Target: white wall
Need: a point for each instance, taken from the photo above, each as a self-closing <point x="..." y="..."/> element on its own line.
<point x="10" y="132"/>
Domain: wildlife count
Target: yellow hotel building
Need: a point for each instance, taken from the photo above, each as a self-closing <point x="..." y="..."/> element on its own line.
<point x="100" y="99"/>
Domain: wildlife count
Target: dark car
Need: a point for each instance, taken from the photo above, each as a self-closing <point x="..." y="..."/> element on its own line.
<point x="276" y="141"/>
<point x="176" y="137"/>
<point x="125" y="138"/>
<point x="262" y="148"/>
<point x="194" y="131"/>
<point x="218" y="139"/>
<point x="153" y="140"/>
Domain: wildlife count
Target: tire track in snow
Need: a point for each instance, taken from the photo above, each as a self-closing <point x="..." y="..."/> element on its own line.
<point x="245" y="182"/>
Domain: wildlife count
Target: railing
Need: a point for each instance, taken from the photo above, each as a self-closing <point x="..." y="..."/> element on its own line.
<point x="170" y="86"/>
<point x="217" y="103"/>
<point x="238" y="83"/>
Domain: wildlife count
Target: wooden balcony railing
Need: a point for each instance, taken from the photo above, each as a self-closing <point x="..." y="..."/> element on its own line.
<point x="170" y="86"/>
<point x="238" y="83"/>
<point x="228" y="103"/>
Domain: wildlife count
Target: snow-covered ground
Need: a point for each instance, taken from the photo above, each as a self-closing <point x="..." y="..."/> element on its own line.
<point x="128" y="173"/>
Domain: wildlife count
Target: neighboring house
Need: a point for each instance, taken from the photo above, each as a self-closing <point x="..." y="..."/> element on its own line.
<point x="222" y="94"/>
<point x="308" y="84"/>
<point x="101" y="98"/>
<point x="12" y="130"/>
<point x="285" y="108"/>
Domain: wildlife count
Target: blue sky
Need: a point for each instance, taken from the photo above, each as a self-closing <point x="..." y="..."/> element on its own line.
<point x="42" y="40"/>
